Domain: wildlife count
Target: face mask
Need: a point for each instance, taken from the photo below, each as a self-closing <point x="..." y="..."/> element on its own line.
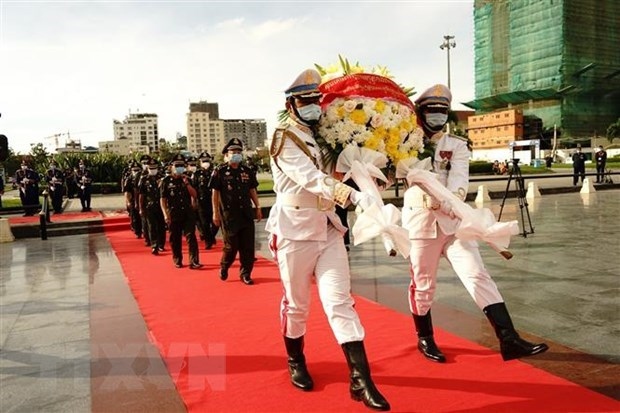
<point x="145" y="166"/>
<point x="179" y="170"/>
<point x="135" y="172"/>
<point x="192" y="169"/>
<point x="236" y="158"/>
<point x="436" y="120"/>
<point x="24" y="167"/>
<point x="53" y="168"/>
<point x="82" y="167"/>
<point x="310" y="112"/>
<point x="152" y="172"/>
<point x="206" y="165"/>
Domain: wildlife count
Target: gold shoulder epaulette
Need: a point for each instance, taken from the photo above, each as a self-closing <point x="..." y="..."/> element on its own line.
<point x="280" y="136"/>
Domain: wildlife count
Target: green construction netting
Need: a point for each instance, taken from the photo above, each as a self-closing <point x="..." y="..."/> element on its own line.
<point x="563" y="54"/>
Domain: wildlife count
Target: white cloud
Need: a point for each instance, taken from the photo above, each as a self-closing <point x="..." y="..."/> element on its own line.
<point x="76" y="68"/>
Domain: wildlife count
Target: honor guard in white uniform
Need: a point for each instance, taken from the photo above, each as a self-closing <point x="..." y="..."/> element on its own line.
<point x="306" y="239"/>
<point x="432" y="224"/>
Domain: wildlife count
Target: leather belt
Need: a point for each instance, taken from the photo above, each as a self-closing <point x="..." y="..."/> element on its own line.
<point x="298" y="201"/>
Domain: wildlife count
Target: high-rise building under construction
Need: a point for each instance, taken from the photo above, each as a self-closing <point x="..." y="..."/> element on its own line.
<point x="557" y="60"/>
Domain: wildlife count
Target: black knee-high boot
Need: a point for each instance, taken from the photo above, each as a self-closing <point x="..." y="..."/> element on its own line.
<point x="511" y="345"/>
<point x="426" y="341"/>
<point x="297" y="363"/>
<point x="361" y="385"/>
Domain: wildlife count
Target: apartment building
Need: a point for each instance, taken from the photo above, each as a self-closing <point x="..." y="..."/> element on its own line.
<point x="139" y="130"/>
<point x="207" y="132"/>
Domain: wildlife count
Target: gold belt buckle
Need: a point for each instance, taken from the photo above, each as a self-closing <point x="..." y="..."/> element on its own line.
<point x="427" y="201"/>
<point x="323" y="204"/>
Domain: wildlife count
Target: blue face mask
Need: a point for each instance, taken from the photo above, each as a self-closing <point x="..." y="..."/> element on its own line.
<point x="310" y="113"/>
<point x="436" y="120"/>
<point x="236" y="158"/>
<point x="179" y="169"/>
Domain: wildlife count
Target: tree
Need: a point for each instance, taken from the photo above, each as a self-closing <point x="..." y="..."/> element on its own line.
<point x="40" y="157"/>
<point x="613" y="131"/>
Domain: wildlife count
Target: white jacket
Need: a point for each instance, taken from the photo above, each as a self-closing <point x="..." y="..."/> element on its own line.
<point x="417" y="217"/>
<point x="298" y="183"/>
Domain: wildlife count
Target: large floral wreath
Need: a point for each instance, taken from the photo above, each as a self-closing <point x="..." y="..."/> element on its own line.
<point x="366" y="108"/>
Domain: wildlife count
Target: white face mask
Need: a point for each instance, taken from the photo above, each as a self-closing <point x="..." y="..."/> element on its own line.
<point x="206" y="165"/>
<point x="192" y="168"/>
<point x="152" y="172"/>
<point x="436" y="120"/>
<point x="310" y="112"/>
<point x="24" y="167"/>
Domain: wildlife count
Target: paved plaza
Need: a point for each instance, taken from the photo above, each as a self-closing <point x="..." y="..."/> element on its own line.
<point x="65" y="299"/>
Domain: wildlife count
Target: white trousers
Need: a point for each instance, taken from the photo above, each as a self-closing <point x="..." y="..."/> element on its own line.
<point x="465" y="259"/>
<point x="328" y="262"/>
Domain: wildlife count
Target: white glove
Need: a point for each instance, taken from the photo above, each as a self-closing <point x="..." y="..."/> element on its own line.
<point x="446" y="208"/>
<point x="361" y="199"/>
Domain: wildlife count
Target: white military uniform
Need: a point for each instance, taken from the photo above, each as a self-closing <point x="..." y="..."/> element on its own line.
<point x="432" y="234"/>
<point x="306" y="237"/>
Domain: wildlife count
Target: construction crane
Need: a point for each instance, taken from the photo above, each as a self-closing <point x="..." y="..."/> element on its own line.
<point x="55" y="137"/>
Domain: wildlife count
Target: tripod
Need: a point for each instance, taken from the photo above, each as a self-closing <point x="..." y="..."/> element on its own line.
<point x="515" y="173"/>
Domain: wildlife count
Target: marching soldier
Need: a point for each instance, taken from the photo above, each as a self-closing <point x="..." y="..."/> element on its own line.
<point x="56" y="183"/>
<point x="28" y="182"/>
<point x="305" y="237"/>
<point x="234" y="190"/>
<point x="131" y="198"/>
<point x="432" y="225"/>
<point x="150" y="207"/>
<point x="201" y="181"/>
<point x="84" y="179"/>
<point x="178" y="202"/>
<point x="144" y="160"/>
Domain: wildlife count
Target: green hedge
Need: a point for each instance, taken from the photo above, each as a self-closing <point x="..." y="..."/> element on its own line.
<point x="481" y="168"/>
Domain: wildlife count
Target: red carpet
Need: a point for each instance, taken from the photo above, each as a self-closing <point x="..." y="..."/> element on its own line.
<point x="64" y="217"/>
<point x="222" y="346"/>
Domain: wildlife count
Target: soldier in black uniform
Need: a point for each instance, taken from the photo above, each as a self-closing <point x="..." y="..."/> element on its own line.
<point x="84" y="179"/>
<point x="601" y="158"/>
<point x="28" y="182"/>
<point x="579" y="166"/>
<point x="150" y="207"/>
<point x="201" y="181"/>
<point x="234" y="189"/>
<point x="144" y="160"/>
<point x="178" y="201"/>
<point x="55" y="179"/>
<point x="131" y="199"/>
<point x="71" y="184"/>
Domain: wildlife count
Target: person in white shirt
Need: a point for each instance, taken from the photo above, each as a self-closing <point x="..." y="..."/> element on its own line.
<point x="306" y="239"/>
<point x="432" y="225"/>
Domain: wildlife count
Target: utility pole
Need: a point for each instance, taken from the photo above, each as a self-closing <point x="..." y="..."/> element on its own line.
<point x="448" y="44"/>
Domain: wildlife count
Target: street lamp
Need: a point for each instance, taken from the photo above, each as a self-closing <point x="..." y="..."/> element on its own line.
<point x="448" y="44"/>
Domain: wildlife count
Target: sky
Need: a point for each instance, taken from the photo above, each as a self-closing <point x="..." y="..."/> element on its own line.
<point x="72" y="67"/>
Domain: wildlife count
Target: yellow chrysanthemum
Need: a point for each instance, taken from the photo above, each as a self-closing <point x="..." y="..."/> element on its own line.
<point x="358" y="116"/>
<point x="379" y="106"/>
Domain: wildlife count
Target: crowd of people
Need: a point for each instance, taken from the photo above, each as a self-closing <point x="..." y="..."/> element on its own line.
<point x="70" y="182"/>
<point x="192" y="194"/>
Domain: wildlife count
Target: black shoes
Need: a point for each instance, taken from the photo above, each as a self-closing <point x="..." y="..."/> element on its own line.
<point x="178" y="265"/>
<point x="426" y="342"/>
<point x="511" y="345"/>
<point x="297" y="369"/>
<point x="195" y="266"/>
<point x="223" y="274"/>
<point x="361" y="386"/>
<point x="247" y="280"/>
<point x="154" y="251"/>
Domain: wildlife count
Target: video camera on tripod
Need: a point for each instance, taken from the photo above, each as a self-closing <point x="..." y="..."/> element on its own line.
<point x="515" y="173"/>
